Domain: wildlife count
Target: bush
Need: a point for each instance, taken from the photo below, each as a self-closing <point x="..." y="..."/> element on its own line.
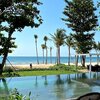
<point x="59" y="67"/>
<point x="65" y="67"/>
<point x="8" y="69"/>
<point x="15" y="95"/>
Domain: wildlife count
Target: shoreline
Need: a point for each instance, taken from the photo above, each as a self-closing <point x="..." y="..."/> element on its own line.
<point x="27" y="66"/>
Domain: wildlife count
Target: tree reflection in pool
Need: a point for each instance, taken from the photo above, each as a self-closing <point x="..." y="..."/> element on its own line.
<point x="53" y="87"/>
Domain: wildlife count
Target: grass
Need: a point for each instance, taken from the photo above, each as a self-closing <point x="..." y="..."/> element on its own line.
<point x="36" y="73"/>
<point x="54" y="70"/>
<point x="45" y="72"/>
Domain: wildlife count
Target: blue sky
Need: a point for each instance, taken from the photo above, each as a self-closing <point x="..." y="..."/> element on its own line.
<point x="51" y="12"/>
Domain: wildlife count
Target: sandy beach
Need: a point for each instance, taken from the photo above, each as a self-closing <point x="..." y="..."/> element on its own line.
<point x="27" y="66"/>
<point x="33" y="66"/>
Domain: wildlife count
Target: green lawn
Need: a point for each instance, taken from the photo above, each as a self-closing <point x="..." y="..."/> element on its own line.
<point x="44" y="72"/>
<point x="36" y="73"/>
<point x="56" y="69"/>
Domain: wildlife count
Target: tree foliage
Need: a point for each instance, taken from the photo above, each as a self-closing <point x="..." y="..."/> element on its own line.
<point x="15" y="15"/>
<point x="83" y="43"/>
<point x="69" y="41"/>
<point x="3" y="40"/>
<point x="59" y="39"/>
<point x="18" y="14"/>
<point x="96" y="46"/>
<point x="80" y="15"/>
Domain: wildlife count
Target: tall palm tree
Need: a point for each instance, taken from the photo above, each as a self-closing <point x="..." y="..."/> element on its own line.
<point x="46" y="39"/>
<point x="69" y="42"/>
<point x="51" y="55"/>
<point x="35" y="36"/>
<point x="58" y="39"/>
<point x="96" y="46"/>
<point x="43" y="47"/>
<point x="98" y="51"/>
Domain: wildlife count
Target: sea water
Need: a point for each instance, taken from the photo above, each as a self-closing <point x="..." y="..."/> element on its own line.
<point x="27" y="60"/>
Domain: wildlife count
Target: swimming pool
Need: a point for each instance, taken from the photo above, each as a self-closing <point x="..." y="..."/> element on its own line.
<point x="53" y="87"/>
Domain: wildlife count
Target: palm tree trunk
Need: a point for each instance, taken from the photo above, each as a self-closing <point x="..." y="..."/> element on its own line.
<point x="69" y="56"/>
<point x="46" y="55"/>
<point x="59" y="55"/>
<point x="51" y="56"/>
<point x="37" y="52"/>
<point x="5" y="52"/>
<point x="43" y="56"/>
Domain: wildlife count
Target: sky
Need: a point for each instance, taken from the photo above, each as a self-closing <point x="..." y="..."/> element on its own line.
<point x="51" y="12"/>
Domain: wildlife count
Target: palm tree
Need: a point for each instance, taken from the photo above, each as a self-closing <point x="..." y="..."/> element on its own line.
<point x="51" y="55"/>
<point x="45" y="39"/>
<point x="96" y="46"/>
<point x="35" y="36"/>
<point x="43" y="47"/>
<point x="98" y="51"/>
<point x="58" y="39"/>
<point x="69" y="42"/>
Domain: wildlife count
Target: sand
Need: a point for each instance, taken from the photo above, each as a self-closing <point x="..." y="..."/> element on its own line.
<point x="27" y="66"/>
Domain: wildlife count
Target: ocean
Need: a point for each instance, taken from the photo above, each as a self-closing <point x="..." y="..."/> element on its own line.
<point x="27" y="60"/>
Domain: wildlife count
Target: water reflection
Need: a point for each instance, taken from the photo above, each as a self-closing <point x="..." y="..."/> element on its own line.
<point x="59" y="89"/>
<point x="45" y="81"/>
<point x="68" y="79"/>
<point x="5" y="86"/>
<point x="54" y="87"/>
<point x="36" y="82"/>
<point x="4" y="91"/>
<point x="59" y="81"/>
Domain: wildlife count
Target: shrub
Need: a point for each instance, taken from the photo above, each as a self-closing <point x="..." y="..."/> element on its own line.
<point x="8" y="69"/>
<point x="15" y="95"/>
<point x="59" y="67"/>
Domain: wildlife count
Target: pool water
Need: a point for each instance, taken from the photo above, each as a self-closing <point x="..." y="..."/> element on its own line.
<point x="53" y="87"/>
